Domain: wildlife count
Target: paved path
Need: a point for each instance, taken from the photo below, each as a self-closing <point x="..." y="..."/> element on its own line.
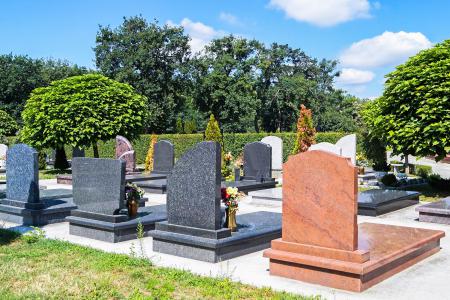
<point x="428" y="279"/>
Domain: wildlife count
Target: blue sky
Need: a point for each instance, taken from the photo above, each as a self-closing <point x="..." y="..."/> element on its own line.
<point x="369" y="37"/>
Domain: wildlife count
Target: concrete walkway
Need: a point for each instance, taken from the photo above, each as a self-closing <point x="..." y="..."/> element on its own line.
<point x="428" y="279"/>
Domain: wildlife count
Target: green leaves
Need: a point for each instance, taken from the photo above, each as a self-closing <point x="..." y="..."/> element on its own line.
<point x="80" y="111"/>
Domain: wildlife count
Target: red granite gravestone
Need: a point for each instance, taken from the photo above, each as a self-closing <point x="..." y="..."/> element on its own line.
<point x="124" y="151"/>
<point x="321" y="241"/>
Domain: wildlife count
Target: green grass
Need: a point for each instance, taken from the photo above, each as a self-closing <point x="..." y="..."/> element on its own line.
<point x="48" y="174"/>
<point x="429" y="194"/>
<point x="51" y="269"/>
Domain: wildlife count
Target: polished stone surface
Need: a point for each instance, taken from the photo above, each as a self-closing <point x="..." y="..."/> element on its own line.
<point x="194" y="186"/>
<point x="247" y="186"/>
<point x="435" y="212"/>
<point x="319" y="200"/>
<point x="163" y="157"/>
<point x="274" y="194"/>
<point x="125" y="151"/>
<point x="98" y="184"/>
<point x="22" y="178"/>
<point x="257" y="161"/>
<point x="277" y="151"/>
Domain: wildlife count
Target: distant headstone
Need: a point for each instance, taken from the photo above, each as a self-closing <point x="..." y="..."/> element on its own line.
<point x="124" y="151"/>
<point x="257" y="161"/>
<point x="77" y="152"/>
<point x="193" y="188"/>
<point x="277" y="151"/>
<point x="3" y="150"/>
<point x="22" y="178"/>
<point x="163" y="157"/>
<point x="346" y="147"/>
<point x="98" y="184"/>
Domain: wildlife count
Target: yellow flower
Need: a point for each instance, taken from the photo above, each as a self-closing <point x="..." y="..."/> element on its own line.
<point x="233" y="192"/>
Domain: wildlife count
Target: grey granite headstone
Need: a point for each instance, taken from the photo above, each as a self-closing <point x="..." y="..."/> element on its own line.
<point x="193" y="188"/>
<point x="77" y="152"/>
<point x="98" y="184"/>
<point x="257" y="161"/>
<point x="22" y="178"/>
<point x="163" y="157"/>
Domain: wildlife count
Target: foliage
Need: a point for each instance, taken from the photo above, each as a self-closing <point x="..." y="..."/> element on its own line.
<point x="179" y="126"/>
<point x="227" y="166"/>
<point x="414" y="111"/>
<point x="212" y="132"/>
<point x="20" y="74"/>
<point x="422" y="171"/>
<point x="439" y="183"/>
<point x="150" y="153"/>
<point x="389" y="180"/>
<point x="305" y="131"/>
<point x="61" y="162"/>
<point x="8" y="126"/>
<point x="152" y="59"/>
<point x="80" y="111"/>
<point x="42" y="159"/>
<point x="133" y="192"/>
<point x="190" y="126"/>
<point x="34" y="236"/>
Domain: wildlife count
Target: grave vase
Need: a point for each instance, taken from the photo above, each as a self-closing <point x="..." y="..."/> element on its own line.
<point x="230" y="218"/>
<point x="133" y="206"/>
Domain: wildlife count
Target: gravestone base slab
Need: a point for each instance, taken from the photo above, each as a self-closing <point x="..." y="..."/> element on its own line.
<point x="115" y="228"/>
<point x="378" y="202"/>
<point x="255" y="231"/>
<point x="436" y="212"/>
<point x="383" y="251"/>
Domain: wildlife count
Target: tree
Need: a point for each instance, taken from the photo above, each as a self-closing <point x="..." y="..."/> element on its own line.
<point x="151" y="58"/>
<point x="306" y="134"/>
<point x="414" y="110"/>
<point x="150" y="152"/>
<point x="224" y="80"/>
<point x="80" y="111"/>
<point x="19" y="75"/>
<point x="212" y="132"/>
<point x="8" y="126"/>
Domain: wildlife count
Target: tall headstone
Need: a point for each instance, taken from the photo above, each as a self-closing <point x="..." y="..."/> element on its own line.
<point x="124" y="151"/>
<point x="163" y="157"/>
<point x="277" y="151"/>
<point x="257" y="161"/>
<point x="22" y="178"/>
<point x="348" y="147"/>
<point x="98" y="184"/>
<point x="193" y="188"/>
<point x="328" y="147"/>
<point x="3" y="150"/>
<point x="78" y="152"/>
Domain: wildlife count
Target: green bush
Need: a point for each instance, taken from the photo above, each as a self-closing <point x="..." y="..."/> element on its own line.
<point x="422" y="171"/>
<point x="42" y="160"/>
<point x="233" y="142"/>
<point x="389" y="180"/>
<point x="439" y="183"/>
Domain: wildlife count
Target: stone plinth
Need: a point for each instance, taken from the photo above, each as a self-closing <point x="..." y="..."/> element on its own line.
<point x="435" y="212"/>
<point x="321" y="241"/>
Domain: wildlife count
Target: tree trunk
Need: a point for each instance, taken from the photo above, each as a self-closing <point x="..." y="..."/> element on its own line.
<point x="95" y="148"/>
<point x="407" y="171"/>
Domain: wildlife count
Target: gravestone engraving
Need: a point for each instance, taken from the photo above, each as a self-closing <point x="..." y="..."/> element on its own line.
<point x="163" y="157"/>
<point x="277" y="151"/>
<point x="193" y="188"/>
<point x="257" y="161"/>
<point x="98" y="184"/>
<point x="22" y="178"/>
<point x="124" y="151"/>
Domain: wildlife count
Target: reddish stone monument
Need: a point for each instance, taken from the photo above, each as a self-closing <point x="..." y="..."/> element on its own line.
<point x="124" y="151"/>
<point x="321" y="241"/>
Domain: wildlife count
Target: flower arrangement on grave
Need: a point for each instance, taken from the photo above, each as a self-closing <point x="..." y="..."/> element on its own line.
<point x="132" y="196"/>
<point x="227" y="170"/>
<point x="361" y="162"/>
<point x="231" y="197"/>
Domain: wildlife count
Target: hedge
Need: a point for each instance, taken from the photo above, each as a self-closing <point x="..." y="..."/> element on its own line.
<point x="233" y="142"/>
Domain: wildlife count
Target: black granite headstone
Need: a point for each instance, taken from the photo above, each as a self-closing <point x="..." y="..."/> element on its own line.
<point x="77" y="152"/>
<point x="193" y="188"/>
<point x="163" y="157"/>
<point x="22" y="178"/>
<point x="98" y="184"/>
<point x="257" y="161"/>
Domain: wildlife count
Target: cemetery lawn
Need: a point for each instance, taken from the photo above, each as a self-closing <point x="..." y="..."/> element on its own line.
<point x="40" y="268"/>
<point x="429" y="194"/>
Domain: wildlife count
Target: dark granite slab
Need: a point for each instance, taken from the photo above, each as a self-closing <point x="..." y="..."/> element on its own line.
<point x="435" y="212"/>
<point x="377" y="202"/>
<point x="258" y="160"/>
<point x="255" y="232"/>
<point x="157" y="186"/>
<point x="246" y="186"/>
<point x="116" y="231"/>
<point x="144" y="177"/>
<point x="163" y="157"/>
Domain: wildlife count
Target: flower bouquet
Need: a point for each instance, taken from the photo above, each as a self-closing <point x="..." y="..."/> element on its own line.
<point x="231" y="197"/>
<point x="132" y="196"/>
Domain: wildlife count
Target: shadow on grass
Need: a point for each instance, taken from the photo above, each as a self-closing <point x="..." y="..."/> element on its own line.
<point x="8" y="236"/>
<point x="429" y="193"/>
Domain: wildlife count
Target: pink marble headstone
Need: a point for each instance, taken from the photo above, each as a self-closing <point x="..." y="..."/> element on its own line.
<point x="124" y="151"/>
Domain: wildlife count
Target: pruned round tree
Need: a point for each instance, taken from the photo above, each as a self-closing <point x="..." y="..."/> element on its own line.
<point x="414" y="112"/>
<point x="80" y="111"/>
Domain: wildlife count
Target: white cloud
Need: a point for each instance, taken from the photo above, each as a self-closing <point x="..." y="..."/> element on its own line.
<point x="229" y="18"/>
<point x="200" y="33"/>
<point x="381" y="50"/>
<point x="351" y="76"/>
<point x="323" y="12"/>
